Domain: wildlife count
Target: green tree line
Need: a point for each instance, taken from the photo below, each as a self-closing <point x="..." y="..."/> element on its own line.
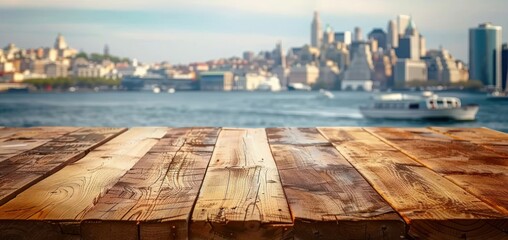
<point x="64" y="83"/>
<point x="98" y="58"/>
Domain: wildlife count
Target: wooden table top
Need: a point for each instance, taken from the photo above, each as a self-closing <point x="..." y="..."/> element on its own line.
<point x="274" y="183"/>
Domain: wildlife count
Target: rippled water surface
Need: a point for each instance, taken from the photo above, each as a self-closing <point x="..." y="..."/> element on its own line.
<point x="226" y="109"/>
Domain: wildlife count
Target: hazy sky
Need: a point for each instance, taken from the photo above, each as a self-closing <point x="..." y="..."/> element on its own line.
<point x="182" y="31"/>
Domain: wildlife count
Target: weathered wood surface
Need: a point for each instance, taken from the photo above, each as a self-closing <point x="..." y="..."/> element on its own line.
<point x="432" y="206"/>
<point x="23" y="170"/>
<point x="278" y="183"/>
<point x="14" y="141"/>
<point x="160" y="189"/>
<point x="241" y="195"/>
<point x="480" y="170"/>
<point x="494" y="140"/>
<point x="69" y="193"/>
<point x="329" y="199"/>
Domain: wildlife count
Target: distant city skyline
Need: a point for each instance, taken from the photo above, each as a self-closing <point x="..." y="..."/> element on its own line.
<point x="194" y="31"/>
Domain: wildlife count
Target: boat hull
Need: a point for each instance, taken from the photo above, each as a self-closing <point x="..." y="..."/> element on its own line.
<point x="467" y="113"/>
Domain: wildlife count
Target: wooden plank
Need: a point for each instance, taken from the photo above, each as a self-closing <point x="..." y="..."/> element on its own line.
<point x="23" y="170"/>
<point x="40" y="230"/>
<point x="432" y="206"/>
<point x="477" y="169"/>
<point x="328" y="197"/>
<point x="159" y="191"/>
<point x="241" y="195"/>
<point x="19" y="140"/>
<point x="491" y="139"/>
<point x="304" y="136"/>
<point x="71" y="192"/>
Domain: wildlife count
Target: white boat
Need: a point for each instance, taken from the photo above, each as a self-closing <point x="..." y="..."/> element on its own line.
<point x="156" y="90"/>
<point x="428" y="106"/>
<point x="326" y="93"/>
<point x="171" y="90"/>
<point x="298" y="87"/>
<point x="498" y="96"/>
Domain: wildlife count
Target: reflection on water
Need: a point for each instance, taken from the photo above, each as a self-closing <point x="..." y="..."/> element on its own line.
<point x="228" y="109"/>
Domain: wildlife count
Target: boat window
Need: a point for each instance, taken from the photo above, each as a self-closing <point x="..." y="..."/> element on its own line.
<point x="440" y="102"/>
<point x="414" y="106"/>
<point x="450" y="103"/>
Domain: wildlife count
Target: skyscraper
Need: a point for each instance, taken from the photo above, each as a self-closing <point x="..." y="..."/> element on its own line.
<point x="344" y="37"/>
<point x="485" y="54"/>
<point x="504" y="75"/>
<point x="402" y="22"/>
<point x="380" y="36"/>
<point x="409" y="44"/>
<point x="393" y="35"/>
<point x="315" y="31"/>
<point x="358" y="34"/>
<point x="359" y="74"/>
<point x="328" y="35"/>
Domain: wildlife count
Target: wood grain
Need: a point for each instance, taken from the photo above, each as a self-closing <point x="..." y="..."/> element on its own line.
<point x="18" y="140"/>
<point x="328" y="198"/>
<point x="491" y="139"/>
<point x="241" y="196"/>
<point x="71" y="192"/>
<point x="39" y="230"/>
<point x="477" y="169"/>
<point x="304" y="136"/>
<point x="431" y="205"/>
<point x="159" y="191"/>
<point x="23" y="170"/>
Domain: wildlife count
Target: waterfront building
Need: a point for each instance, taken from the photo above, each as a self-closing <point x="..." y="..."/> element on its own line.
<point x="216" y="81"/>
<point x="248" y="55"/>
<point x="133" y="70"/>
<point x="402" y="22"/>
<point x="485" y="54"/>
<point x="382" y="70"/>
<point x="281" y="73"/>
<point x="337" y="53"/>
<point x="409" y="44"/>
<point x="358" y="77"/>
<point x="442" y="67"/>
<point x="328" y="76"/>
<point x="308" y="54"/>
<point x="504" y="67"/>
<point x="358" y="34"/>
<point x="343" y="37"/>
<point x="328" y="36"/>
<point x="407" y="70"/>
<point x="306" y="74"/>
<point x="60" y="49"/>
<point x="463" y="70"/>
<point x="91" y="70"/>
<point x="393" y="35"/>
<point x="51" y="54"/>
<point x="423" y="47"/>
<point x="380" y="36"/>
<point x="278" y="55"/>
<point x="38" y="66"/>
<point x="315" y="32"/>
<point x="56" y="70"/>
<point x="248" y="82"/>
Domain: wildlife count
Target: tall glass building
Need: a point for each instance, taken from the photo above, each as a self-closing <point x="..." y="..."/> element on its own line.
<point x="485" y="54"/>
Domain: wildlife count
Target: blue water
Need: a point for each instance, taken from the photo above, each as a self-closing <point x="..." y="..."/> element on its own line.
<point x="226" y="109"/>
